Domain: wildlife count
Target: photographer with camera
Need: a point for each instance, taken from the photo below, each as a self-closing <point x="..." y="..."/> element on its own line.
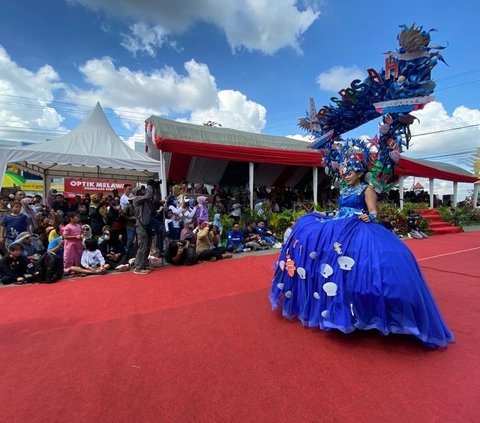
<point x="145" y="224"/>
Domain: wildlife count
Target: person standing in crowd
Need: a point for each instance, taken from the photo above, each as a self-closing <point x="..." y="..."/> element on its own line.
<point x="201" y="210"/>
<point x="127" y="190"/>
<point x="129" y="216"/>
<point x="143" y="204"/>
<point x="13" y="224"/>
<point x="29" y="211"/>
<point x="73" y="246"/>
<point x="83" y="213"/>
<point x="60" y="204"/>
<point x="97" y="222"/>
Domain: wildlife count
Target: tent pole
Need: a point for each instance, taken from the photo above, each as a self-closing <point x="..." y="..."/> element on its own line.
<point x="476" y="185"/>
<point x="315" y="186"/>
<point x="455" y="194"/>
<point x="430" y="187"/>
<point x="401" y="180"/>
<point x="251" y="176"/>
<point x="163" y="176"/>
<point x="45" y="186"/>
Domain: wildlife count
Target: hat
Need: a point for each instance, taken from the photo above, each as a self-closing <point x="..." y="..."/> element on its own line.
<point x="22" y="235"/>
<point x="11" y="197"/>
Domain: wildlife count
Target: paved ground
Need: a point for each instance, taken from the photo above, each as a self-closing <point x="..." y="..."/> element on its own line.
<point x="471" y="228"/>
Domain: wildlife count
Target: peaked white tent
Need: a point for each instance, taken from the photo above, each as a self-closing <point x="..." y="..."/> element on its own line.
<point x="92" y="150"/>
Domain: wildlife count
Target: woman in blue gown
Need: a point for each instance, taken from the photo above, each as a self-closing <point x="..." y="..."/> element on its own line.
<point x="349" y="273"/>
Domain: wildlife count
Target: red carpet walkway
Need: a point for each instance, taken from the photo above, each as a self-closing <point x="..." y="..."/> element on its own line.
<point x="201" y="344"/>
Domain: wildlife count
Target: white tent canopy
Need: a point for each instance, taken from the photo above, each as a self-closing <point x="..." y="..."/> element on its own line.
<point x="92" y="150"/>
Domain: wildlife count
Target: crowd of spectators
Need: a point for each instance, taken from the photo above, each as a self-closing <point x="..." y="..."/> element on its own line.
<point x="45" y="240"/>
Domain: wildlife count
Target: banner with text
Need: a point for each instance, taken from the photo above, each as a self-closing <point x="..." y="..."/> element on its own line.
<point x="78" y="185"/>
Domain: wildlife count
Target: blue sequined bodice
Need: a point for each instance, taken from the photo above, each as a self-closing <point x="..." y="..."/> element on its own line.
<point x="352" y="201"/>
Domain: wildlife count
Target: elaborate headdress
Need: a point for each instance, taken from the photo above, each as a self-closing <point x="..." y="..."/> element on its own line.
<point x="403" y="86"/>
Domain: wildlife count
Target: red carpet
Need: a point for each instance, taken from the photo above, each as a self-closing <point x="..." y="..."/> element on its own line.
<point x="201" y="344"/>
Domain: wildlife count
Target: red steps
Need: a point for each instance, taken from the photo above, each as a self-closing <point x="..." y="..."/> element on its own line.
<point x="436" y="224"/>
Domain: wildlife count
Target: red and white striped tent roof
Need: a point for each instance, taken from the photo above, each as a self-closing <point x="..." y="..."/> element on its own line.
<point x="215" y="155"/>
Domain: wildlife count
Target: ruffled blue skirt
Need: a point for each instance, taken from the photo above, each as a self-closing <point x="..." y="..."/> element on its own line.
<point x="346" y="274"/>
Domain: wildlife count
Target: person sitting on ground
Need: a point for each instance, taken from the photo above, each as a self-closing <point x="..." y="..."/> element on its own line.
<point x="413" y="223"/>
<point x="15" y="268"/>
<point x="288" y="232"/>
<point x="204" y="247"/>
<point x="13" y="224"/>
<point x="114" y="252"/>
<point x="235" y="240"/>
<point x="86" y="233"/>
<point x="92" y="262"/>
<point x="188" y="233"/>
<point x="181" y="253"/>
<point x="388" y="224"/>
<point x="217" y="222"/>
<point x="105" y="234"/>
<point x="252" y="239"/>
<point x="266" y="234"/>
<point x="30" y="249"/>
<point x="55" y="230"/>
<point x="216" y="239"/>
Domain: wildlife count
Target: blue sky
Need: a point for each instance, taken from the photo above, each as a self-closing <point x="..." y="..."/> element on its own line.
<point x="246" y="64"/>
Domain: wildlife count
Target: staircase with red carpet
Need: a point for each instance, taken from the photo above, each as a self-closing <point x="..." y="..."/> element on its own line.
<point x="436" y="224"/>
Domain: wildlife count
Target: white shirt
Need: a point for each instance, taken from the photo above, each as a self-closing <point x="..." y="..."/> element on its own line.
<point x="123" y="200"/>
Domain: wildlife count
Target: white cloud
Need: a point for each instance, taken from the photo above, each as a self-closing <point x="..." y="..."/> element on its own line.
<point x="306" y="138"/>
<point x="133" y="96"/>
<point x="338" y="77"/>
<point x="19" y="88"/>
<point x="266" y="25"/>
<point x="161" y="92"/>
<point x="145" y="38"/>
<point x="445" y="146"/>
<point x="233" y="110"/>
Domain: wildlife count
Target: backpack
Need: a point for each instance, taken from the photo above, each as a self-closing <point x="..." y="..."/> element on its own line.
<point x="50" y="268"/>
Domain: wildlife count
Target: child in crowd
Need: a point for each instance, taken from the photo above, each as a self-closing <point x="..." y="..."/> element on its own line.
<point x="16" y="268"/>
<point x="73" y="247"/>
<point x="92" y="261"/>
<point x="13" y="224"/>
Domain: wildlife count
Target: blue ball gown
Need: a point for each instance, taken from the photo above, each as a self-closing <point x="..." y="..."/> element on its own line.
<point x="342" y="273"/>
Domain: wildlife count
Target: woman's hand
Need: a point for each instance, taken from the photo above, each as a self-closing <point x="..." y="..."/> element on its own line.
<point x="364" y="218"/>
